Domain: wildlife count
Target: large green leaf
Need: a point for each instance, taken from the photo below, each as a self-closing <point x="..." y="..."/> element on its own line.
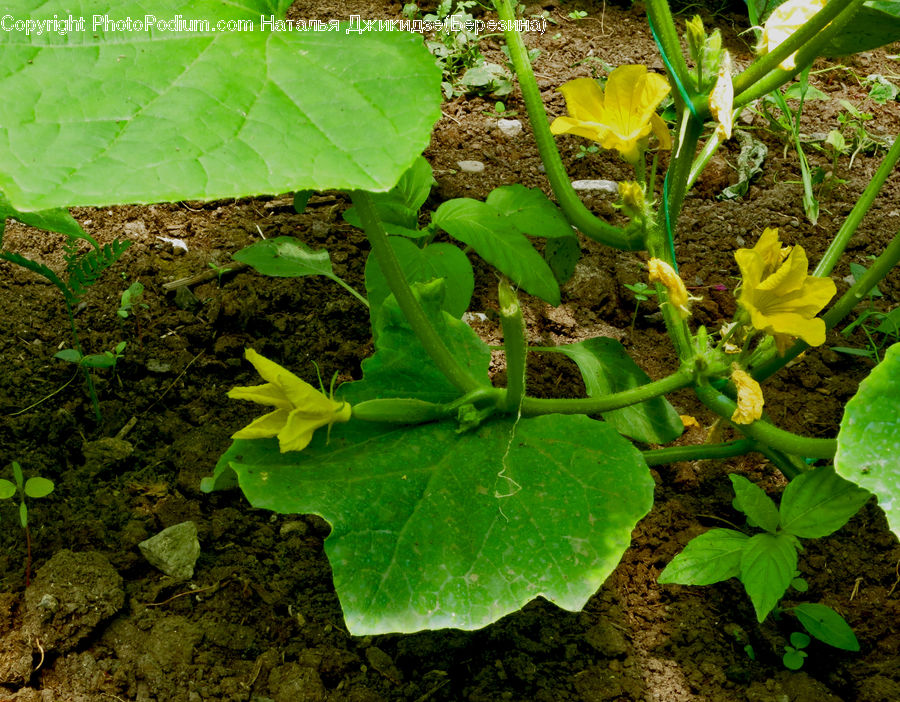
<point x="400" y="366"/>
<point x="421" y="265"/>
<point x="433" y="529"/>
<point x="875" y="24"/>
<point x="868" y="443"/>
<point x="819" y="502"/>
<point x="768" y="563"/>
<point x="55" y="220"/>
<point x="606" y="368"/>
<point x="106" y="115"/>
<point x="709" y="558"/>
<point x="499" y="241"/>
<point x="285" y="257"/>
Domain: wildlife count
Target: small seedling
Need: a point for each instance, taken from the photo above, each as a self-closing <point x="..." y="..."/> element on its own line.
<point x="642" y="292"/>
<point x="107" y="359"/>
<point x="35" y="487"/>
<point x="220" y="271"/>
<point x="585" y="150"/>
<point x="577" y="15"/>
<point x="130" y="300"/>
<point x="794" y="654"/>
<point x="499" y="110"/>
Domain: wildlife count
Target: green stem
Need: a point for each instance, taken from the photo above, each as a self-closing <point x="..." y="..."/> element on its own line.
<point x="384" y="254"/>
<point x="350" y="290"/>
<point x="87" y="374"/>
<point x="577" y="214"/>
<point x="699" y="452"/>
<point x="513" y="325"/>
<point x="532" y="406"/>
<point x="662" y="26"/>
<point x="765" y="433"/>
<point x="770" y="362"/>
<point x="751" y="86"/>
<point x="852" y="222"/>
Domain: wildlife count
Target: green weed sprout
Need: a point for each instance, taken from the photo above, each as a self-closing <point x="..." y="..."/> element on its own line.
<point x="130" y="299"/>
<point x="33" y="488"/>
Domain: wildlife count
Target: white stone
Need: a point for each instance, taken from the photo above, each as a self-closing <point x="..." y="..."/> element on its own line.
<point x="606" y="186"/>
<point x="470" y="166"/>
<point x="510" y="127"/>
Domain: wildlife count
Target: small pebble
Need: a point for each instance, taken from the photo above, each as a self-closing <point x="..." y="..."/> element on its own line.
<point x="470" y="166"/>
<point x="510" y="127"/>
<point x="606" y="186"/>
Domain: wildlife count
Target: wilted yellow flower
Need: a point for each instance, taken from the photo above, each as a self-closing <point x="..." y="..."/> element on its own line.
<point x="779" y="294"/>
<point x="662" y="272"/>
<point x="632" y="195"/>
<point x="620" y="118"/>
<point x="300" y="408"/>
<point x="721" y="100"/>
<point x="784" y="21"/>
<point x="749" y="399"/>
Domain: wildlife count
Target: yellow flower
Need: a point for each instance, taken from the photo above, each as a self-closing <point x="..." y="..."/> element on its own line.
<point x="632" y="195"/>
<point x="779" y="294"/>
<point x="721" y="100"/>
<point x="620" y="118"/>
<point x="749" y="400"/>
<point x="784" y="21"/>
<point x="300" y="408"/>
<point x="662" y="272"/>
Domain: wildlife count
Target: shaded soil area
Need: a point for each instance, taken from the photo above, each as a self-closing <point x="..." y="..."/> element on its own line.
<point x="259" y="618"/>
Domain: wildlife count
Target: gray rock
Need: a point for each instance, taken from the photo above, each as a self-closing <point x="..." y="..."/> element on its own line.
<point x="606" y="186"/>
<point x="174" y="550"/>
<point x="470" y="166"/>
<point x="510" y="127"/>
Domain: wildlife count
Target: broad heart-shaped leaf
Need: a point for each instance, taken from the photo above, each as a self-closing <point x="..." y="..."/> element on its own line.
<point x="104" y="115"/>
<point x="752" y="500"/>
<point x="497" y="239"/>
<point x="709" y="558"/>
<point x="433" y="529"/>
<point x="606" y="368"/>
<point x="819" y="502"/>
<point x="285" y="257"/>
<point x="826" y="625"/>
<point x="401" y="367"/>
<point x="868" y="443"/>
<point x="420" y="265"/>
<point x="767" y="568"/>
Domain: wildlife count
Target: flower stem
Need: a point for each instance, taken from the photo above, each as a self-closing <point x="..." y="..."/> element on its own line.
<point x="662" y="26"/>
<point x="384" y="254"/>
<point x="532" y="406"/>
<point x="699" y="452"/>
<point x="765" y="433"/>
<point x="577" y="214"/>
<point x="850" y="225"/>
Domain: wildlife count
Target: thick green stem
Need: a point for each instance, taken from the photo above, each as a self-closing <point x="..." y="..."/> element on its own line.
<point x="384" y="254"/>
<point x="770" y="363"/>
<point x="765" y="433"/>
<point x="699" y="452"/>
<point x="577" y="214"/>
<point x="751" y="86"/>
<point x="532" y="406"/>
<point x="662" y="25"/>
<point x="769" y="62"/>
<point x="513" y="324"/>
<point x="850" y="225"/>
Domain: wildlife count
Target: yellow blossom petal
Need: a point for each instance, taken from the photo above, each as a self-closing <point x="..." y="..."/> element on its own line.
<point x="721" y="100"/>
<point x="749" y="400"/>
<point x="301" y="409"/>
<point x="779" y="294"/>
<point x="662" y="272"/>
<point x="784" y="21"/>
<point x="622" y="116"/>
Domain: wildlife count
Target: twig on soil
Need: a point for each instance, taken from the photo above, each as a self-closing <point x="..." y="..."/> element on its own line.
<point x="41" y="649"/>
<point x="129" y="425"/>
<point x="897" y="581"/>
<point x="172" y="384"/>
<point x="205" y="275"/>
<point x="215" y="586"/>
<point x="44" y="399"/>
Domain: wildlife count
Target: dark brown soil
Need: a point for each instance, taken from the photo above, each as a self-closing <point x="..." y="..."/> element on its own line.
<point x="260" y="620"/>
